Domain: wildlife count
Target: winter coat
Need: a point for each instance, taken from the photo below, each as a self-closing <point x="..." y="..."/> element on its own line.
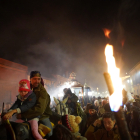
<point x="101" y="134"/>
<point x="77" y="136"/>
<point x="91" y="119"/>
<point x="73" y="104"/>
<point x="42" y="106"/>
<point x="26" y="104"/>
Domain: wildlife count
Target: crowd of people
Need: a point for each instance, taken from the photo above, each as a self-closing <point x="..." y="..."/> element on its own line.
<point x="33" y="106"/>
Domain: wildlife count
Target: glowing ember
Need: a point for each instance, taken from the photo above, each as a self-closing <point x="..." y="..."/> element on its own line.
<point x="106" y="32"/>
<point x="115" y="100"/>
<point x="122" y="42"/>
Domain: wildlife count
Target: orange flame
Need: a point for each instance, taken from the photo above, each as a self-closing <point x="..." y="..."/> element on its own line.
<point x="115" y="100"/>
<point x="107" y="32"/>
<point x="122" y="43"/>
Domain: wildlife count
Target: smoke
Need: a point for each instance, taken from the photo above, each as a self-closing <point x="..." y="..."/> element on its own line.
<point x="54" y="38"/>
<point x="125" y="34"/>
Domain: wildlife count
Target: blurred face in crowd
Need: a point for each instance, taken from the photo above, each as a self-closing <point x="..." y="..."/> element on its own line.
<point x="96" y="104"/>
<point x="108" y="123"/>
<point x="23" y="93"/>
<point x="65" y="90"/>
<point x="35" y="81"/>
<point x="92" y="111"/>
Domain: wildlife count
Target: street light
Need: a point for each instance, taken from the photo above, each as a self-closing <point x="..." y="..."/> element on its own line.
<point x="97" y="90"/>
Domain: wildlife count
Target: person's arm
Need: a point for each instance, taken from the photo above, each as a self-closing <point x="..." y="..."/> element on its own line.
<point x="29" y="103"/>
<point x="9" y="114"/>
<point x="39" y="107"/>
<point x="14" y="106"/>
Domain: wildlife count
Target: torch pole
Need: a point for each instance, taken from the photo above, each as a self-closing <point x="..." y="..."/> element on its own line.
<point x="119" y="115"/>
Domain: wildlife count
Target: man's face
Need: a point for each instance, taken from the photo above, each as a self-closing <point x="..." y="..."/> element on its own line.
<point x="92" y="111"/>
<point x="108" y="123"/>
<point x="35" y="81"/>
<point x="65" y="90"/>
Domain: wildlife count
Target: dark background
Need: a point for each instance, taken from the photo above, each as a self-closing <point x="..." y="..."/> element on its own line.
<point x="57" y="36"/>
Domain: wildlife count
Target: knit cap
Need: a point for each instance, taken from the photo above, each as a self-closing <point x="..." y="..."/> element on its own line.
<point x="24" y="85"/>
<point x="71" y="122"/>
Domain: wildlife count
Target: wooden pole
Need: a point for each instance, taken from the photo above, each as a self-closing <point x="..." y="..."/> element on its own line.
<point x="109" y="83"/>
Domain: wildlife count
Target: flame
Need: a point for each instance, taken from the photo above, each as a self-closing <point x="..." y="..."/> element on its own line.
<point x="107" y="32"/>
<point x="122" y="42"/>
<point x="115" y="100"/>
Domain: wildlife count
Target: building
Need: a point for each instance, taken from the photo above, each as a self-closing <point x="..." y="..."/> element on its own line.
<point x="135" y="79"/>
<point x="10" y="75"/>
<point x="127" y="83"/>
<point x="131" y="82"/>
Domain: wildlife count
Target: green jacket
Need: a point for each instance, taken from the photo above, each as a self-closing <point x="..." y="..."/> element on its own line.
<point x="73" y="98"/>
<point x="42" y="106"/>
<point x="101" y="134"/>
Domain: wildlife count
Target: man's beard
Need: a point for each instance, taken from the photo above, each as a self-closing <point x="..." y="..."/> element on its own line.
<point x="36" y="84"/>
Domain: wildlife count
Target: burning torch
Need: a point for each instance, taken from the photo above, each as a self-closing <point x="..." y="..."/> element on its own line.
<point x="115" y="88"/>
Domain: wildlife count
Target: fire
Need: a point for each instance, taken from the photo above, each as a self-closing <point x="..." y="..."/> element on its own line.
<point x="115" y="100"/>
<point x="122" y="42"/>
<point x="107" y="32"/>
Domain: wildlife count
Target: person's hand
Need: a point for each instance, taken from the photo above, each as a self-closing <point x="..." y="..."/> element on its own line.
<point x="97" y="122"/>
<point x="68" y="95"/>
<point x="69" y="101"/>
<point x="8" y="115"/>
<point x="18" y="116"/>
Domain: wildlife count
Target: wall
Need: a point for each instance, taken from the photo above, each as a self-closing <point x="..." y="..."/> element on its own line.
<point x="10" y="75"/>
<point x="135" y="77"/>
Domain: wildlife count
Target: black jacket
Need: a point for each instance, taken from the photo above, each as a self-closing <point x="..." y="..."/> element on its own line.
<point x="25" y="105"/>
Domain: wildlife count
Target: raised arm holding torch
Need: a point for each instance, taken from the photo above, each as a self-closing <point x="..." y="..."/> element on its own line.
<point x="115" y="88"/>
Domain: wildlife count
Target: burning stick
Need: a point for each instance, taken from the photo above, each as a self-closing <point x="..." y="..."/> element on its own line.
<point x="109" y="83"/>
<point x="115" y="88"/>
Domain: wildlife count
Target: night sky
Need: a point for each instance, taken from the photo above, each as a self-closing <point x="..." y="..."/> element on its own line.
<point x="57" y="36"/>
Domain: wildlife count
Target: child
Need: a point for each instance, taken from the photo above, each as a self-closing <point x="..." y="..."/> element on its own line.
<point x="25" y="100"/>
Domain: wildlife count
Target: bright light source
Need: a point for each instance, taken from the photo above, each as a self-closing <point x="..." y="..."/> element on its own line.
<point x="72" y="90"/>
<point x="90" y="93"/>
<point x="60" y="95"/>
<point x="123" y="86"/>
<point x="126" y="72"/>
<point x="128" y="81"/>
<point x="115" y="100"/>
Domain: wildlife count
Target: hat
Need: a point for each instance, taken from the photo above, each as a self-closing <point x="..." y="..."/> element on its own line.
<point x="91" y="107"/>
<point x="71" y="122"/>
<point x="35" y="73"/>
<point x="24" y="85"/>
<point x="68" y="91"/>
<point x="107" y="107"/>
